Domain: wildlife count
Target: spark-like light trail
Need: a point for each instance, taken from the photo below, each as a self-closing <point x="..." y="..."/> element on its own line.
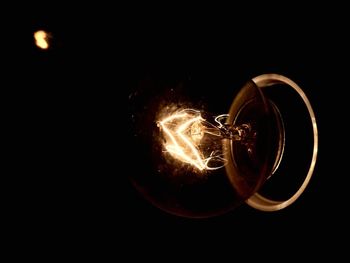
<point x="183" y="132"/>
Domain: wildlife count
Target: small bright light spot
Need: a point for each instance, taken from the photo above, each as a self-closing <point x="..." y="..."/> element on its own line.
<point x="41" y="39"/>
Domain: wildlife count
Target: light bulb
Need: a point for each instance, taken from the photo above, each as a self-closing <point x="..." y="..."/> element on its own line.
<point x="202" y="164"/>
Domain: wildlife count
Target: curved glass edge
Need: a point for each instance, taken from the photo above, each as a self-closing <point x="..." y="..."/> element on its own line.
<point x="257" y="201"/>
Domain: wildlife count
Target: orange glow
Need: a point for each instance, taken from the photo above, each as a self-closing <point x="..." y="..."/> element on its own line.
<point x="183" y="133"/>
<point x="41" y="39"/>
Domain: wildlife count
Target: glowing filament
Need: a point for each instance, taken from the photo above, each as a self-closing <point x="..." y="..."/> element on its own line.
<point x="183" y="132"/>
<point x="41" y="39"/>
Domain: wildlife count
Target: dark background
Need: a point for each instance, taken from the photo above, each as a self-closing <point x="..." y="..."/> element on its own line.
<point x="75" y="99"/>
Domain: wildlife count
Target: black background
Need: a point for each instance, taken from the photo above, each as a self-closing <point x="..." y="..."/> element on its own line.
<point x="73" y="104"/>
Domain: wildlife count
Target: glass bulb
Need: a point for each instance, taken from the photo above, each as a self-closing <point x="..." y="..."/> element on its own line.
<point x="196" y="164"/>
